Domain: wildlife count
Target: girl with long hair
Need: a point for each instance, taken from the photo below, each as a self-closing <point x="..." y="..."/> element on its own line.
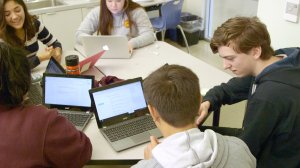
<point x="20" y="29"/>
<point x="119" y="17"/>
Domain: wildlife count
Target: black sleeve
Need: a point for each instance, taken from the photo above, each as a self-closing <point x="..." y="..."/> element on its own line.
<point x="235" y="90"/>
<point x="56" y="44"/>
<point x="33" y="61"/>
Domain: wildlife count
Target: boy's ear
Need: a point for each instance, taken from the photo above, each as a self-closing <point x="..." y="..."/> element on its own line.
<point x="153" y="112"/>
<point x="256" y="52"/>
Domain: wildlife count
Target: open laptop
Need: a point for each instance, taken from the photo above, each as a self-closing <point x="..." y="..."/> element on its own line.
<point x="89" y="62"/>
<point x="70" y="95"/>
<point x="54" y="67"/>
<point x="35" y="93"/>
<point x="115" y="46"/>
<point x="122" y="114"/>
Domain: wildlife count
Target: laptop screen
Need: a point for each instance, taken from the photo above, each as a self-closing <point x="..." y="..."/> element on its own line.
<point x="54" y="67"/>
<point x="64" y="91"/>
<point x="119" y="99"/>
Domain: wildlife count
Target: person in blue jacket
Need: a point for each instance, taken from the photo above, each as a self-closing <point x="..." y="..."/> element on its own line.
<point x="269" y="80"/>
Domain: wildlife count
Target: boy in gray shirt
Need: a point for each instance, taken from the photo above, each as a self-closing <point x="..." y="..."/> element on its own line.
<point x="173" y="96"/>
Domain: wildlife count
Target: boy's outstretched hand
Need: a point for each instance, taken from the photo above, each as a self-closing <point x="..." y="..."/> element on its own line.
<point x="203" y="113"/>
<point x="148" y="149"/>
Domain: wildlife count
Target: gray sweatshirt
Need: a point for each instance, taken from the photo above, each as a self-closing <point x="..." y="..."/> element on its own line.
<point x="196" y="149"/>
<point x="141" y="34"/>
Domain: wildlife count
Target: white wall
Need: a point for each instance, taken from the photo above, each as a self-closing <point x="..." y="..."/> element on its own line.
<point x="283" y="33"/>
<point x="222" y="10"/>
<point x="196" y="7"/>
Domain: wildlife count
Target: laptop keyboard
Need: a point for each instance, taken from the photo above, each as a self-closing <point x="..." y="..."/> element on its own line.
<point x="35" y="94"/>
<point x="75" y="117"/>
<point x="129" y="129"/>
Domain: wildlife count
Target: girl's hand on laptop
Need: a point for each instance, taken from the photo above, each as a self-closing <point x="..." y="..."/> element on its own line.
<point x="148" y="150"/>
<point x="130" y="48"/>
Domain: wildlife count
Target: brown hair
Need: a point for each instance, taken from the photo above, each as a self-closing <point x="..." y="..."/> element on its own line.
<point x="8" y="33"/>
<point x="243" y="33"/>
<point x="106" y="18"/>
<point x="15" y="75"/>
<point x="174" y="91"/>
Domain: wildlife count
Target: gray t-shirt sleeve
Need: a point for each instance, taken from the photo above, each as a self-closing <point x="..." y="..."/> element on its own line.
<point x="144" y="34"/>
<point x="89" y="25"/>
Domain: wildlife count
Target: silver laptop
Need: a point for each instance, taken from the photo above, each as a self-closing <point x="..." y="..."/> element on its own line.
<point x="122" y="114"/>
<point x="114" y="46"/>
<point x="70" y="95"/>
<point x="35" y="93"/>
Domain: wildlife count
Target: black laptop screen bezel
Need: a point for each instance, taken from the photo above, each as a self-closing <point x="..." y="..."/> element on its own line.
<point x="67" y="76"/>
<point x="123" y="117"/>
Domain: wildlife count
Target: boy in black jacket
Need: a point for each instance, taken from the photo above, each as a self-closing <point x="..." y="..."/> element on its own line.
<point x="269" y="80"/>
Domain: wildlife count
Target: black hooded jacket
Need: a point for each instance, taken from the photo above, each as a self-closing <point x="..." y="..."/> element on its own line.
<point x="271" y="126"/>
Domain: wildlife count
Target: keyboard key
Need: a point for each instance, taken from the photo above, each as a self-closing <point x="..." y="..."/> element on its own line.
<point x="75" y="117"/>
<point x="129" y="129"/>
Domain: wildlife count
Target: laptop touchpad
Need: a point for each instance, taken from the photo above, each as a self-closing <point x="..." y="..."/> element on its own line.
<point x="156" y="133"/>
<point x="142" y="137"/>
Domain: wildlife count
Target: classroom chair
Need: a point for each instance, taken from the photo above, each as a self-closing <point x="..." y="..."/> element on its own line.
<point x="169" y="19"/>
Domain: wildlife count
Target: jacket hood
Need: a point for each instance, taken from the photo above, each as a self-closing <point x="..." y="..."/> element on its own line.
<point x="191" y="148"/>
<point x="285" y="71"/>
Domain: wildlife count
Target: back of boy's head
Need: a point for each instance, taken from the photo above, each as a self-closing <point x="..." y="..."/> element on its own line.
<point x="174" y="91"/>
